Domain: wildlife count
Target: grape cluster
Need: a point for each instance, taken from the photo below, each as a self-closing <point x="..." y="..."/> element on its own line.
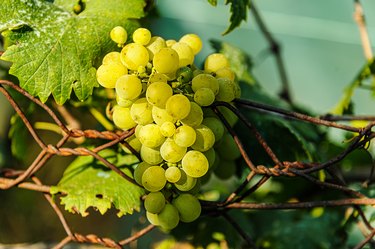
<point x="161" y="93"/>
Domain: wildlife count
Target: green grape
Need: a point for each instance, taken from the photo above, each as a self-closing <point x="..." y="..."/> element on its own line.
<point x="168" y="218"/>
<point x="216" y="126"/>
<point x="168" y="129"/>
<point x="225" y="72"/>
<point x="150" y="135"/>
<point x="111" y="57"/>
<point x="171" y="152"/>
<point x="227" y="91"/>
<point x="152" y="218"/>
<point x="185" y="54"/>
<point x="122" y="118"/>
<point x="188" y="206"/>
<point x="184" y="136"/>
<point x="195" y="116"/>
<point x="195" y="164"/>
<point x="178" y="106"/>
<point x="128" y="87"/>
<point x="211" y="156"/>
<point x="204" y="96"/>
<point x="184" y="74"/>
<point x="142" y="36"/>
<point x="157" y="77"/>
<point x="215" y="62"/>
<point x="186" y="182"/>
<point x="107" y="74"/>
<point x="158" y="93"/>
<point x="123" y="102"/>
<point x="119" y="35"/>
<point x="161" y="116"/>
<point x="205" y="80"/>
<point x="134" y="142"/>
<point x="166" y="61"/>
<point x="134" y="55"/>
<point x="205" y="138"/>
<point x="228" y="115"/>
<point x="173" y="174"/>
<point x="151" y="155"/>
<point x="227" y="148"/>
<point x="225" y="169"/>
<point x="154" y="202"/>
<point x="153" y="178"/>
<point x="139" y="170"/>
<point x="194" y="42"/>
<point x="156" y="43"/>
<point x="141" y="112"/>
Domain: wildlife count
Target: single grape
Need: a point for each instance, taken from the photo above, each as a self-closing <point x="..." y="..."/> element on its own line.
<point x="178" y="106"/>
<point x="122" y="118"/>
<point x="204" y="96"/>
<point x="119" y="35"/>
<point x="152" y="218"/>
<point x="111" y="57"/>
<point x="157" y="77"/>
<point x="154" y="202"/>
<point x="195" y="164"/>
<point x="134" y="55"/>
<point x="173" y="174"/>
<point x="158" y="93"/>
<point x="228" y="148"/>
<point x="185" y="53"/>
<point x="150" y="135"/>
<point x="225" y="72"/>
<point x="166" y="61"/>
<point x="186" y="182"/>
<point x="128" y="87"/>
<point x="188" y="206"/>
<point x="216" y="126"/>
<point x="171" y="152"/>
<point x="153" y="178"/>
<point x="168" y="129"/>
<point x="205" y="138"/>
<point x="151" y="155"/>
<point x="194" y="41"/>
<point x="161" y="116"/>
<point x="141" y="112"/>
<point x="139" y="170"/>
<point x="215" y="62"/>
<point x="227" y="91"/>
<point x="195" y="116"/>
<point x="156" y="43"/>
<point x="228" y="115"/>
<point x="142" y="36"/>
<point x="107" y="74"/>
<point x="184" y="136"/>
<point x="205" y="80"/>
<point x="168" y="218"/>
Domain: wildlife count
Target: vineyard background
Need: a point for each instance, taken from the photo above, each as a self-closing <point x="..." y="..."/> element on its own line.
<point x="321" y="50"/>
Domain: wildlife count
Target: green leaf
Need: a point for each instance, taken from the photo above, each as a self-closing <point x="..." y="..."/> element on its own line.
<point x="55" y="49"/>
<point x="88" y="183"/>
<point x="240" y="62"/>
<point x="212" y="2"/>
<point x="366" y="72"/>
<point x="238" y="9"/>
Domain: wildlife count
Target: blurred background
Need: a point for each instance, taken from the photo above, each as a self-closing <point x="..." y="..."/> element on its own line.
<point x="322" y="52"/>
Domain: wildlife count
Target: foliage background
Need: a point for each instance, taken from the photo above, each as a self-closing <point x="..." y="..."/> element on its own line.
<point x="322" y="52"/>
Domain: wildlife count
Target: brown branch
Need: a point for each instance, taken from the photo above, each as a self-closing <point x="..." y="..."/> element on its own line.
<point x="137" y="235"/>
<point x="366" y="240"/>
<point x="276" y="50"/>
<point x="360" y="20"/>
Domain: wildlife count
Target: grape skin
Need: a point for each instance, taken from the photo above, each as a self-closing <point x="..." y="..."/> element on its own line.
<point x="195" y="164"/>
<point x="188" y="207"/>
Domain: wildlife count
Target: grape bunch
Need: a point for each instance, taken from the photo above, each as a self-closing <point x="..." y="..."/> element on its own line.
<point x="161" y="93"/>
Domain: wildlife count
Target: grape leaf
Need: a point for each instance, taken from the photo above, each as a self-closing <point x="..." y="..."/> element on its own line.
<point x="55" y="49"/>
<point x="238" y="9"/>
<point x="88" y="183"/>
